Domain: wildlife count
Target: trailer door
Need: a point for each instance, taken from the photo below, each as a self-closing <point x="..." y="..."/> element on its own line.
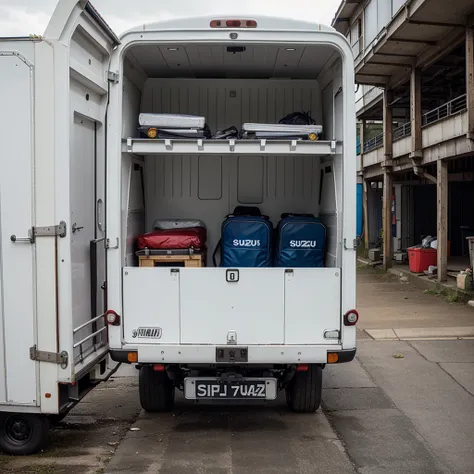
<point x="17" y="253"/>
<point x="83" y="44"/>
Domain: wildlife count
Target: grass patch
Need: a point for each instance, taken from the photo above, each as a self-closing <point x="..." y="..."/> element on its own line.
<point x="453" y="298"/>
<point x="432" y="292"/>
<point x="50" y="468"/>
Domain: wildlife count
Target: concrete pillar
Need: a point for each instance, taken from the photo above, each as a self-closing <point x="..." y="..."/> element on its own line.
<point x="387" y="220"/>
<point x="470" y="79"/>
<point x="415" y="114"/>
<point x="387" y="179"/>
<point x="442" y="218"/>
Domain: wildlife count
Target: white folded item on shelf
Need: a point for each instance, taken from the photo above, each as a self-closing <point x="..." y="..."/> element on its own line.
<point x="171" y="121"/>
<point x="280" y="127"/>
<point x="168" y="224"/>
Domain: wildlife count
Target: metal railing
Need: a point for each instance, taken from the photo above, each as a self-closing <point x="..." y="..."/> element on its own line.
<point x="459" y="104"/>
<point x="402" y="131"/>
<point x="373" y="143"/>
<point x="99" y="336"/>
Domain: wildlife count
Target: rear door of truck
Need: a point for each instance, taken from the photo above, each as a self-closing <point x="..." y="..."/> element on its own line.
<point x="81" y="44"/>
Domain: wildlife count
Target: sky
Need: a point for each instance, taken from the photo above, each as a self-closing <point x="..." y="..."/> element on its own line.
<point x="25" y="17"/>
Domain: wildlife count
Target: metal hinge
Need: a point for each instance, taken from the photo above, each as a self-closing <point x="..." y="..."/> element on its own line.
<point x="113" y="77"/>
<point x="108" y="244"/>
<point x="53" y="357"/>
<point x="355" y="244"/>
<point x="59" y="230"/>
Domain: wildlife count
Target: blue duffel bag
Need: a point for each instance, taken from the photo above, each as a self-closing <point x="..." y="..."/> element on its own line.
<point x="246" y="239"/>
<point x="300" y="241"/>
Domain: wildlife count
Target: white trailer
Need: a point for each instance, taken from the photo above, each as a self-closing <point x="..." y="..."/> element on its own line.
<point x="81" y="177"/>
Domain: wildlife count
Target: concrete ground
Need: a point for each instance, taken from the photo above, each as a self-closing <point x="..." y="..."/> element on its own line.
<point x="406" y="405"/>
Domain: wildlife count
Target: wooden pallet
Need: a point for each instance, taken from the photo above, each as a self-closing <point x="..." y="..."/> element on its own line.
<point x="188" y="261"/>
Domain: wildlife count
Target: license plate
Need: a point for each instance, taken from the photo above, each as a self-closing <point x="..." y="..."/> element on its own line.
<point x="215" y="389"/>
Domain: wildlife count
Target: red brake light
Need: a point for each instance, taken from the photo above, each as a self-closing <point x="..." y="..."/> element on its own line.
<point x="351" y="318"/>
<point x="112" y="318"/>
<point x="159" y="367"/>
<point x="302" y="368"/>
<point x="233" y="24"/>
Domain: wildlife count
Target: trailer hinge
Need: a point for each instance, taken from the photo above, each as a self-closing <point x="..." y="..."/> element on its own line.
<point x="109" y="245"/>
<point x="53" y="357"/>
<point x="355" y="244"/>
<point x="113" y="77"/>
<point x="59" y="230"/>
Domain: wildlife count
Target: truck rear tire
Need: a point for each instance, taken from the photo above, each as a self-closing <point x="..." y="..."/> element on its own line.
<point x="303" y="394"/>
<point x="22" y="433"/>
<point x="156" y="390"/>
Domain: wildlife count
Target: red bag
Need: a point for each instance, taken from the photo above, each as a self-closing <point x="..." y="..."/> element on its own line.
<point x="191" y="238"/>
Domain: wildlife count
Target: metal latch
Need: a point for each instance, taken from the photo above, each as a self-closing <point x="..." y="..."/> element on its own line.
<point x="53" y="357"/>
<point x="113" y="77"/>
<point x="59" y="230"/>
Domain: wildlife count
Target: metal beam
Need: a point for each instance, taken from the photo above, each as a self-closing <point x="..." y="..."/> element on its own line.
<point x="381" y="63"/>
<point x="396" y="55"/>
<point x="372" y="75"/>
<point x="407" y="40"/>
<point x="435" y="23"/>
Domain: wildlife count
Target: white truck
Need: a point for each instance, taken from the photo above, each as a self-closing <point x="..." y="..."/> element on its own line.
<point x="78" y="185"/>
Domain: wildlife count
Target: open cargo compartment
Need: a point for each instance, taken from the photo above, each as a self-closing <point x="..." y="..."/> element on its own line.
<point x="206" y="179"/>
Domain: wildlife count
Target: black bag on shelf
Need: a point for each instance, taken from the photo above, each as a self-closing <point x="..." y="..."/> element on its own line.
<point x="298" y="118"/>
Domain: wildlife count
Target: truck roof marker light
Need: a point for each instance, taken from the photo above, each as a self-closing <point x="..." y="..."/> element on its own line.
<point x="351" y="318"/>
<point x="233" y="24"/>
<point x="112" y="318"/>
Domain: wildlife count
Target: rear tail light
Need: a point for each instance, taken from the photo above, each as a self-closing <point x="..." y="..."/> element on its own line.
<point x="351" y="318"/>
<point x="112" y="318"/>
<point x="233" y="24"/>
<point x="302" y="368"/>
<point x="159" y="368"/>
<point x="333" y="357"/>
<point x="132" y="357"/>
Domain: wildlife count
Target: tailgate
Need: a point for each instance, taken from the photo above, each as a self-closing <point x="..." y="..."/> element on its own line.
<point x="213" y="305"/>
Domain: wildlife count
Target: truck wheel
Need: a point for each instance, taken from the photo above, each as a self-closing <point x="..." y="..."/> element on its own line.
<point x="156" y="390"/>
<point x="22" y="433"/>
<point x="303" y="395"/>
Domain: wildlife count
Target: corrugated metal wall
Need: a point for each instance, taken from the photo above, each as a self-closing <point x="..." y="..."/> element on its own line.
<point x="227" y="102"/>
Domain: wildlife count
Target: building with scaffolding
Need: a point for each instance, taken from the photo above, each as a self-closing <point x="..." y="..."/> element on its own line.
<point x="414" y="69"/>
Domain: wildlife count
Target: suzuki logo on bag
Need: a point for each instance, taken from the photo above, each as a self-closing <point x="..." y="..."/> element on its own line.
<point x="246" y="243"/>
<point x="303" y="244"/>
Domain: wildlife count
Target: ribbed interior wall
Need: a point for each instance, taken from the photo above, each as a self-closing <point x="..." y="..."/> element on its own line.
<point x="209" y="187"/>
<point x="229" y="102"/>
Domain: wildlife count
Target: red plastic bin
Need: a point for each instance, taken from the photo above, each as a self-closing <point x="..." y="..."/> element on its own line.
<point x="420" y="259"/>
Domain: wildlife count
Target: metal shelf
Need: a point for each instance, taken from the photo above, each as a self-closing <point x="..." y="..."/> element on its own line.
<point x="145" y="146"/>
